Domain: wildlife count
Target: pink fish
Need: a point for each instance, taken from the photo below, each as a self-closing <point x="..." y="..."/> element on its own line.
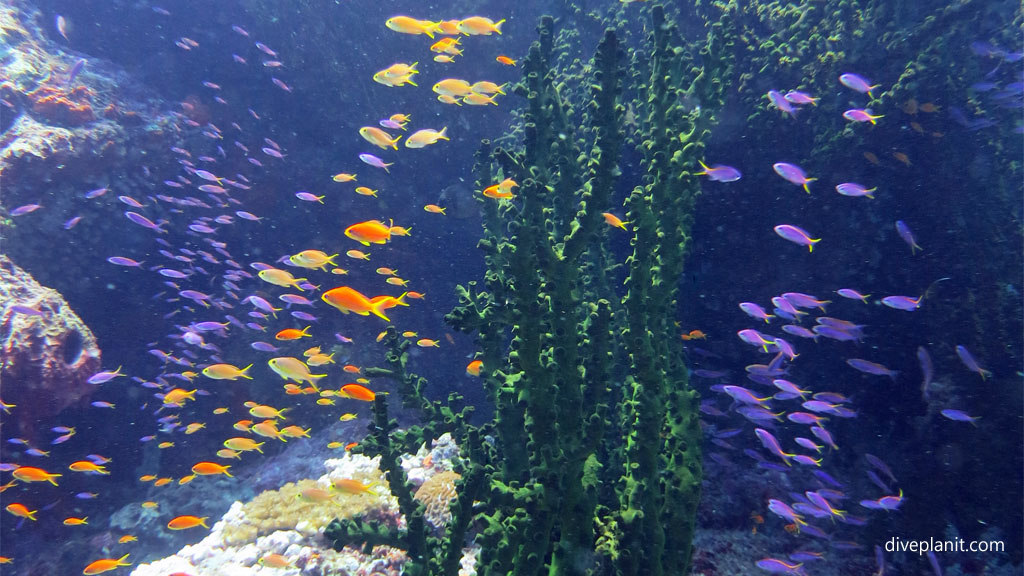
<point x="306" y="196"/>
<point x="797" y="235"/>
<point x="122" y="261"/>
<point x="853" y="294"/>
<point x="800" y="98"/>
<point x="374" y="161"/>
<point x="793" y="173"/>
<point x="272" y="152"/>
<point x="857" y="83"/>
<point x="242" y="31"/>
<point x="72" y="222"/>
<point x="855" y="190"/>
<point x="281" y="85"/>
<point x="26" y="209"/>
<point x="719" y="173"/>
<point x="904" y="231"/>
<point x="266" y="50"/>
<point x="903" y="302"/>
<point x="860" y="115"/>
<point x="780" y="102"/>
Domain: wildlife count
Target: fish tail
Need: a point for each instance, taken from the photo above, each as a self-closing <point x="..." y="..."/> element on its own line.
<point x="51" y="480"/>
<point x="443" y="135"/>
<point x="394" y="143"/>
<point x="244" y="372"/>
<point x="408" y="80"/>
<point x="497" y="26"/>
<point x="807" y="188"/>
<point x="376" y="310"/>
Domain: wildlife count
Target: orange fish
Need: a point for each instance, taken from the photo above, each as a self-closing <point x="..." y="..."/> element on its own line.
<point x="243" y="444"/>
<point x="396" y="281"/>
<point x="186" y="479"/>
<point x="350" y="446"/>
<point x="427" y="343"/>
<point x="162" y="482"/>
<point x="370" y="231"/>
<point x="30" y="474"/>
<point x="86" y="466"/>
<point x="506" y="60"/>
<point x="186" y="522"/>
<point x="343" y="177"/>
<point x="72" y="521"/>
<point x="357" y="254"/>
<point x="351" y="369"/>
<point x="350" y="486"/>
<point x="126" y="539"/>
<point x="150" y="504"/>
<point x="357" y="392"/>
<point x="364" y="191"/>
<point x="695" y="335"/>
<point x="211" y="468"/>
<point x="474" y="367"/>
<point x="434" y="209"/>
<point x="414" y="295"/>
<point x="614" y="220"/>
<point x="106" y="565"/>
<point x="21" y="511"/>
<point x="293" y="334"/>
<point x="348" y="300"/>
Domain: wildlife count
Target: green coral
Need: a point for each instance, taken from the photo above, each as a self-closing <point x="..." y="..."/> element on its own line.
<point x="592" y="460"/>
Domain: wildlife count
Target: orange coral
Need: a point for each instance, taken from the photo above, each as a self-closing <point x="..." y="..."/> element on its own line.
<point x="69" y="108"/>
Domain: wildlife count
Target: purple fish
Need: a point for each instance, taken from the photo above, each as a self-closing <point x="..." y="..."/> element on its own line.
<point x="860" y="115"/>
<point x="247" y="216"/>
<point x="780" y="102"/>
<point x="130" y="201"/>
<point x="307" y="197"/>
<point x="104" y="376"/>
<point x="857" y="83"/>
<point x="201" y="228"/>
<point x="755" y="338"/>
<point x="800" y="98"/>
<point x="388" y="123"/>
<point x="855" y="190"/>
<point x="26" y="310"/>
<point x="122" y="261"/>
<point x="265" y="49"/>
<point x="754" y="311"/>
<point x="72" y="222"/>
<point x="903" y="302"/>
<point x="95" y="193"/>
<point x="853" y="294"/>
<point x="304" y="316"/>
<point x="744" y="395"/>
<point x="797" y="235"/>
<point x="794" y="174"/>
<point x="904" y="231"/>
<point x="26" y="209"/>
<point x="808" y="443"/>
<point x="86" y="495"/>
<point x="273" y="153"/>
<point x="719" y="172"/>
<point x="927" y="371"/>
<point x="169" y="273"/>
<point x="799" y="331"/>
<point x="144" y="222"/>
<point x="869" y="367"/>
<point x="825" y="436"/>
<point x="804" y="418"/>
<point x="281" y="85"/>
<point x="212" y="189"/>
<point x="74" y="72"/>
<point x="264" y="347"/>
<point x="971" y="363"/>
<point x="959" y="416"/>
<point x="776" y="566"/>
<point x="771" y="444"/>
<point x="375" y="161"/>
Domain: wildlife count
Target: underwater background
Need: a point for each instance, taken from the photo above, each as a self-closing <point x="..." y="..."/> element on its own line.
<point x="716" y="288"/>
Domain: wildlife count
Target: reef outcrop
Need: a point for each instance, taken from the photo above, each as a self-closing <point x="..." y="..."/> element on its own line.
<point x="48" y="353"/>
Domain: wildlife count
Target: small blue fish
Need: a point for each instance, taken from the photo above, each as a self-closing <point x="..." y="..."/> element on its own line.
<point x="904" y="231"/>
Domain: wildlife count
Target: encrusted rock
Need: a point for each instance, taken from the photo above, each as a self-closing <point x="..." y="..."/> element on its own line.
<point x="48" y="352"/>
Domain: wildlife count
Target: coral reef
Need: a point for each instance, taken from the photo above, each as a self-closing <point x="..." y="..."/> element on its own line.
<point x="64" y="110"/>
<point x="290" y="521"/>
<point x="48" y="352"/>
<point x="288" y="509"/>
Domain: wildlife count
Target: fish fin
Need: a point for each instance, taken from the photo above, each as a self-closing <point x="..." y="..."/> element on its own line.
<point x="497" y="26"/>
<point x="244" y="373"/>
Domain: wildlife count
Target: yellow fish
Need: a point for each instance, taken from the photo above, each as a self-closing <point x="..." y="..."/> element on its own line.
<point x="281" y="278"/>
<point x="313" y="259"/>
<point x="289" y="368"/>
<point x="226" y="372"/>
<point x="453" y="87"/>
<point x="426" y="137"/>
<point x="480" y="26"/>
<point x="407" y="25"/>
<point x="379" y="138"/>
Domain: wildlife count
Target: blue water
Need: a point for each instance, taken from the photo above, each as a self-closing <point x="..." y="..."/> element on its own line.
<point x="945" y="157"/>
